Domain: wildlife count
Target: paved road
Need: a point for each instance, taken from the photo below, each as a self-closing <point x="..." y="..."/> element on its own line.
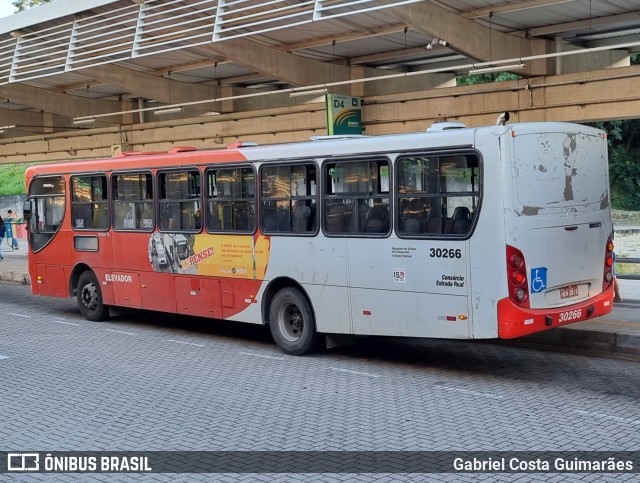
<point x="160" y="382"/>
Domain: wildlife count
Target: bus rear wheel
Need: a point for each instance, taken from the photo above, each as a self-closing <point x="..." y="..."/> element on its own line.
<point x="292" y="323"/>
<point x="90" y="298"/>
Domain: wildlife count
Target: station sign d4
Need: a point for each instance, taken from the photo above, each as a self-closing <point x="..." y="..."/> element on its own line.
<point x="344" y="114"/>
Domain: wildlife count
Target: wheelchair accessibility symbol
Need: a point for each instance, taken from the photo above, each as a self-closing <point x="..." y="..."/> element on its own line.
<point x="538" y="279"/>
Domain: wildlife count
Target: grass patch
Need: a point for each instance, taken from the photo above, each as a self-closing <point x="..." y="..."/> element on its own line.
<point x="12" y="179"/>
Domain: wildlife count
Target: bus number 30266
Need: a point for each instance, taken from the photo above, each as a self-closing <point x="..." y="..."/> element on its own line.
<point x="445" y="253"/>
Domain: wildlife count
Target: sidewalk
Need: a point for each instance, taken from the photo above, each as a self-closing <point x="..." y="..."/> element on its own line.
<point x="615" y="334"/>
<point x="14" y="267"/>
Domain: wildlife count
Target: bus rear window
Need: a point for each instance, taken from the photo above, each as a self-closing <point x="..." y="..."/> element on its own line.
<point x="556" y="170"/>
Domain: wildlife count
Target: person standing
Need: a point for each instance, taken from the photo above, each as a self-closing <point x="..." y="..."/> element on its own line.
<point x="616" y="285"/>
<point x="2" y="233"/>
<point x="14" y="240"/>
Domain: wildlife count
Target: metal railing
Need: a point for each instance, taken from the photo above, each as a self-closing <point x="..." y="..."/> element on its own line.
<point x="156" y="27"/>
<point x="625" y="261"/>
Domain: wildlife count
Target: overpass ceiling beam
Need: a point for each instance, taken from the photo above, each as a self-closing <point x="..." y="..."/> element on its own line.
<point x="510" y="7"/>
<point x="273" y="63"/>
<point x="167" y="91"/>
<point x="473" y="39"/>
<point x="594" y="25"/>
<point x="56" y="102"/>
<point x="299" y="71"/>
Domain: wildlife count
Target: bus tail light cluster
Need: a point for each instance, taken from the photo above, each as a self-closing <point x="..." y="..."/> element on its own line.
<point x="517" y="277"/>
<point x="607" y="279"/>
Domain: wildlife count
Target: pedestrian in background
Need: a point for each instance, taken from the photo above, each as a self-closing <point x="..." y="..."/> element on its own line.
<point x="616" y="285"/>
<point x="12" y="217"/>
<point x="2" y="233"/>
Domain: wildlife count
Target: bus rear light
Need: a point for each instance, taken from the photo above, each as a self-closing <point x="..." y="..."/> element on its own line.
<point x="607" y="278"/>
<point x="520" y="295"/>
<point x="516" y="260"/>
<point x="517" y="277"/>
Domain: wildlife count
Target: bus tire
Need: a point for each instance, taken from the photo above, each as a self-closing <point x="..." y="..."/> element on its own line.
<point x="292" y="323"/>
<point x="90" y="298"/>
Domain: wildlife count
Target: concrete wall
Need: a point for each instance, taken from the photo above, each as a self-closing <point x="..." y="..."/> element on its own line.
<point x="13" y="203"/>
<point x="576" y="97"/>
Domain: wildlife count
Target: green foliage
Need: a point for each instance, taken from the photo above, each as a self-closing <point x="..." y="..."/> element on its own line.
<point x="624" y="177"/>
<point x="635" y="59"/>
<point x="468" y="80"/>
<point x="12" y="179"/>
<point x="26" y="4"/>
<point x="624" y="162"/>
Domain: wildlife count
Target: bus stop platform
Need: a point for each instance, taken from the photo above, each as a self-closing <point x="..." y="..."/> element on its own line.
<point x="616" y="334"/>
<point x="14" y="267"/>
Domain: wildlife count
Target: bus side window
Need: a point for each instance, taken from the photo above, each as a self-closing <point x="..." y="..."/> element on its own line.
<point x="288" y="194"/>
<point x="357" y="197"/>
<point x="437" y="194"/>
<point x="89" y="202"/>
<point x="132" y="195"/>
<point x="230" y="200"/>
<point x="180" y="200"/>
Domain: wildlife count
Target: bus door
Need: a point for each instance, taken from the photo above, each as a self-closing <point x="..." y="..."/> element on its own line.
<point x="133" y="223"/>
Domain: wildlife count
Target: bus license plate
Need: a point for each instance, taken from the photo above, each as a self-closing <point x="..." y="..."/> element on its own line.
<point x="569" y="291"/>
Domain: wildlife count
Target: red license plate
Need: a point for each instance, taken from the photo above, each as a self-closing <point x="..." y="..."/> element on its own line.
<point x="569" y="291"/>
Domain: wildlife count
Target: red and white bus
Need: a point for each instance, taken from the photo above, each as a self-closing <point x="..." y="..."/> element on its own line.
<point x="455" y="232"/>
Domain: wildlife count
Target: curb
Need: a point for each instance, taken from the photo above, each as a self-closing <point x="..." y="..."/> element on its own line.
<point x="12" y="276"/>
<point x="584" y="341"/>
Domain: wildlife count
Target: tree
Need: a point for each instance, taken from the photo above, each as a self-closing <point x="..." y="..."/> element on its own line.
<point x="624" y="169"/>
<point x="467" y="80"/>
<point x="26" y="4"/>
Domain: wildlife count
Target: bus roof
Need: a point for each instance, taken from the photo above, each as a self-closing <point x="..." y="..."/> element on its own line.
<point x="323" y="146"/>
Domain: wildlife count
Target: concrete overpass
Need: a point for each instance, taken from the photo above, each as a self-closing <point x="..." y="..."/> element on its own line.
<point x="84" y="78"/>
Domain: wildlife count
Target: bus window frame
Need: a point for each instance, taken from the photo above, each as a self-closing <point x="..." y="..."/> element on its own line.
<point x="49" y="234"/>
<point x="112" y="200"/>
<point x="479" y="192"/>
<point x="107" y="201"/>
<point x="313" y="198"/>
<point x="325" y="197"/>
<point x="158" y="199"/>
<point x="205" y="189"/>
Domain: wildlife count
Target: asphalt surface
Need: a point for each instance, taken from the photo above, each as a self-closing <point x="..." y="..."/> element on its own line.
<point x="159" y="382"/>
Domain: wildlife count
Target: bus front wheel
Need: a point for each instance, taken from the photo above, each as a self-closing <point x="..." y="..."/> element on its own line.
<point x="291" y="323"/>
<point x="90" y="298"/>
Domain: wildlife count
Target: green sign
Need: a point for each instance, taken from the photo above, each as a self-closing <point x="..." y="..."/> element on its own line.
<point x="344" y="114"/>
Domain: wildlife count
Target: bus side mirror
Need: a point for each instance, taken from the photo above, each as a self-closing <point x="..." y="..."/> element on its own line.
<point x="26" y="210"/>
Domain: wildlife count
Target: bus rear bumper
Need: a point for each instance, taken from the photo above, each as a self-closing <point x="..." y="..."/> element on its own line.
<point x="514" y="321"/>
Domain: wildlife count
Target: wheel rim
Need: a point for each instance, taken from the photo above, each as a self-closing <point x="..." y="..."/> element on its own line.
<point x="291" y="322"/>
<point x="89" y="296"/>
